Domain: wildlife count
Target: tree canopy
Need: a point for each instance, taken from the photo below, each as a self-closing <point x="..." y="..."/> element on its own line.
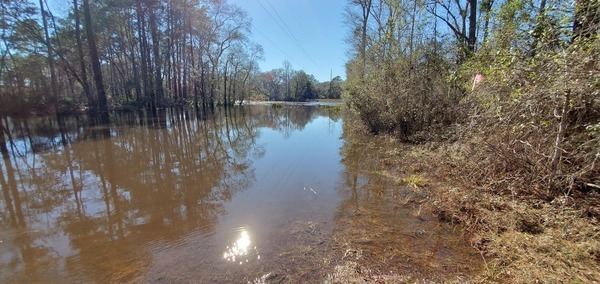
<point x="138" y="53"/>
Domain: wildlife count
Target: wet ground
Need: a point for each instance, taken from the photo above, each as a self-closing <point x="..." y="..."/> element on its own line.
<point x="251" y="194"/>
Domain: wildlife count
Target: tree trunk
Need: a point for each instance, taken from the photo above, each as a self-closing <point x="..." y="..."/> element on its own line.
<point x="184" y="67"/>
<point x="51" y="64"/>
<point x="3" y="147"/>
<point x="158" y="91"/>
<point x="562" y="129"/>
<point x="85" y="83"/>
<point x="538" y="30"/>
<point x="366" y="11"/>
<point x="488" y="11"/>
<point x="412" y="35"/>
<point x="195" y="84"/>
<point x="472" y="40"/>
<point x="134" y="65"/>
<point x="171" y="60"/>
<point x="213" y="78"/>
<point x="225" y="101"/>
<point x="96" y="68"/>
<point x="202" y="80"/>
<point x="141" y="27"/>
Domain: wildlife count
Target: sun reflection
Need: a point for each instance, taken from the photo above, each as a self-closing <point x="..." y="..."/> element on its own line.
<point x="240" y="251"/>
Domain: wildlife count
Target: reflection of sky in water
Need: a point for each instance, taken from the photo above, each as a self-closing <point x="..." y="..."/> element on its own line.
<point x="239" y="251"/>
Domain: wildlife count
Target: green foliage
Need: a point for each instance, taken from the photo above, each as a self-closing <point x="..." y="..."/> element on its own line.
<point x="144" y="49"/>
<point x="130" y="102"/>
<point x="302" y="87"/>
<point x="331" y="89"/>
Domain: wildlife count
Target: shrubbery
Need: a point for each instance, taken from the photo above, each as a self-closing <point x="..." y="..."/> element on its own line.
<point x="516" y="116"/>
<point x="531" y="124"/>
<point x="403" y="98"/>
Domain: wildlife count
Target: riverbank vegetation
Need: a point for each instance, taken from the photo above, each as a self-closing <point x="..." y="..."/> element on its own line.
<point x="505" y="97"/>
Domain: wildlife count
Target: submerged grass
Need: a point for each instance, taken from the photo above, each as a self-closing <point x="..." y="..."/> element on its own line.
<point x="276" y="105"/>
<point x="520" y="238"/>
<point x="332" y="108"/>
<point x="525" y="241"/>
<point x="384" y="226"/>
<point x="415" y="180"/>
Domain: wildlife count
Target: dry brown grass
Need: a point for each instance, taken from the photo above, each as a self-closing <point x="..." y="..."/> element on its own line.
<point x="523" y="239"/>
<point x="525" y="230"/>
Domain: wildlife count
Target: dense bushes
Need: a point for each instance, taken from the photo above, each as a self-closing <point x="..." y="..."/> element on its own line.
<point x="532" y="123"/>
<point x="402" y="97"/>
<point x="513" y="133"/>
<point x="517" y="116"/>
<point x="522" y="170"/>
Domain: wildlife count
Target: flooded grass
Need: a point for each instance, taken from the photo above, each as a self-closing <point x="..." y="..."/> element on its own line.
<point x="517" y="239"/>
<point x="414" y="180"/>
<point x="388" y="208"/>
<point x="522" y="240"/>
<point x="525" y="240"/>
<point x="276" y="105"/>
<point x="337" y="109"/>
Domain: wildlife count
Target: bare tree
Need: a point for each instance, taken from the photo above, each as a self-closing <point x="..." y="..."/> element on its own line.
<point x="457" y="14"/>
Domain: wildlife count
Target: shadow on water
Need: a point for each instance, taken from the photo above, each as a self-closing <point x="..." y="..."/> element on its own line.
<point x="175" y="196"/>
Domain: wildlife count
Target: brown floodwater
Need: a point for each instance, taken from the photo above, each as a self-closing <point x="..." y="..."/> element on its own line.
<point x="250" y="194"/>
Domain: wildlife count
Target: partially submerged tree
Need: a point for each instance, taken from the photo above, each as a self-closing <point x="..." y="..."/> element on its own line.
<point x="96" y="68"/>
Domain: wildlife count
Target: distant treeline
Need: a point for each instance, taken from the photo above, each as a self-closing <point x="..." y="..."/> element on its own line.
<point x="148" y="53"/>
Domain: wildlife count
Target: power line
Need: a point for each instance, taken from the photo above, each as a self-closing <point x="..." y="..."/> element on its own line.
<point x="284" y="53"/>
<point x="298" y="43"/>
<point x="290" y="34"/>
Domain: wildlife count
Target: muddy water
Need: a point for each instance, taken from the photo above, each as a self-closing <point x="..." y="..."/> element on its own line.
<point x="253" y="194"/>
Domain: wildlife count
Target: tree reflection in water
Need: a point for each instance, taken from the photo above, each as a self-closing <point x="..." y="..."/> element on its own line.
<point x="89" y="202"/>
<point x="155" y="197"/>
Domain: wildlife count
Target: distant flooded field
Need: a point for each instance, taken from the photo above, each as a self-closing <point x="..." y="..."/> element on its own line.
<point x="249" y="194"/>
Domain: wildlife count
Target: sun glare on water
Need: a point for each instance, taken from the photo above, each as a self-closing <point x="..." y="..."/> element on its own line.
<point x="239" y="251"/>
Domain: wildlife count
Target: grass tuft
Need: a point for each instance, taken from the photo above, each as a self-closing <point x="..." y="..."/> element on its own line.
<point x="414" y="180"/>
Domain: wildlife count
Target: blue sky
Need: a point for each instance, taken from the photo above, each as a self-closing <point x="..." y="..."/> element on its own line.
<point x="317" y="25"/>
